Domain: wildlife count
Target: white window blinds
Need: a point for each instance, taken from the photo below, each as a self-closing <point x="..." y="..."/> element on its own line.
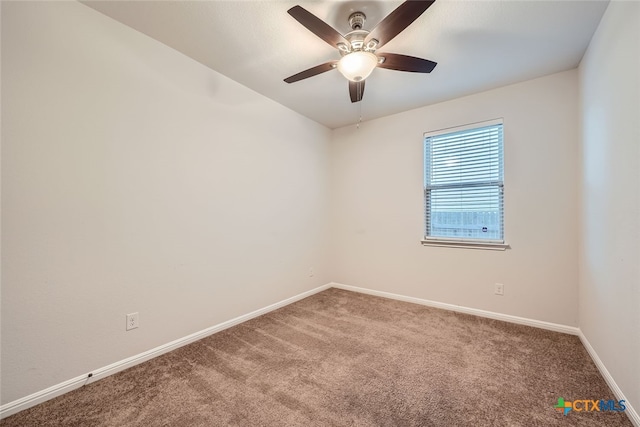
<point x="463" y="184"/>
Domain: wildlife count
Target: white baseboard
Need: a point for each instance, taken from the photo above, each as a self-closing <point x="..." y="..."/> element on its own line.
<point x="77" y="382"/>
<point x="630" y="411"/>
<point x="69" y="385"/>
<point x="460" y="309"/>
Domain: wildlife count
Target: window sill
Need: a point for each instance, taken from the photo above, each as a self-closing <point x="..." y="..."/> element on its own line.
<point x="490" y="246"/>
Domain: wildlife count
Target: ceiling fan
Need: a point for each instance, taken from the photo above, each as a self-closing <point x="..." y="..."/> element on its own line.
<point x="358" y="47"/>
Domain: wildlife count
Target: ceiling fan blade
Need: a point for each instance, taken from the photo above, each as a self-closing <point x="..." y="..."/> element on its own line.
<point x="313" y="71"/>
<point x="356" y="90"/>
<point x="317" y="26"/>
<point x="395" y="61"/>
<point x="398" y="20"/>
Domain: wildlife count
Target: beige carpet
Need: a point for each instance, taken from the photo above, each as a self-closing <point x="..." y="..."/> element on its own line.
<point x="340" y="358"/>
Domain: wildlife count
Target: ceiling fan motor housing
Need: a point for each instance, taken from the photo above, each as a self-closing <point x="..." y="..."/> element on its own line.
<point x="357" y="36"/>
<point x="356" y="42"/>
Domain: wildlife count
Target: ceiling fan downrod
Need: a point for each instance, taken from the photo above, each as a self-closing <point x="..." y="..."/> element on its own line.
<point x="356" y="20"/>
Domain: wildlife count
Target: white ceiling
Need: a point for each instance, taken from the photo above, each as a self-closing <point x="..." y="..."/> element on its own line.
<point x="478" y="45"/>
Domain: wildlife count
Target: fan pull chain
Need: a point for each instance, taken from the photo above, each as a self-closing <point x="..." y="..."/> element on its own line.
<point x="359" y="110"/>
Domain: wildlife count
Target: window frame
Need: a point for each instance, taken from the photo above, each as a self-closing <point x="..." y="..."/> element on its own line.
<point x="467" y="243"/>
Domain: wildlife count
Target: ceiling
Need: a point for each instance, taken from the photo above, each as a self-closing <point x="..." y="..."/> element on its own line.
<point x="478" y="45"/>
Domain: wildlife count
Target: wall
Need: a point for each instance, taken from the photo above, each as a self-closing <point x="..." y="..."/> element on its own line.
<point x="609" y="303"/>
<point x="135" y="179"/>
<point x="377" y="204"/>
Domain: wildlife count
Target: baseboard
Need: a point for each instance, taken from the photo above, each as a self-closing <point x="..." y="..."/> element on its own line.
<point x="77" y="382"/>
<point x="71" y="384"/>
<point x="461" y="309"/>
<point x="630" y="411"/>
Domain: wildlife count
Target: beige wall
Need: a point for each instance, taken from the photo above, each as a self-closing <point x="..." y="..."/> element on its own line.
<point x="609" y="303"/>
<point x="135" y="179"/>
<point x="377" y="205"/>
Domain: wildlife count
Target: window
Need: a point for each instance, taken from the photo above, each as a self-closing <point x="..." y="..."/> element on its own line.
<point x="464" y="186"/>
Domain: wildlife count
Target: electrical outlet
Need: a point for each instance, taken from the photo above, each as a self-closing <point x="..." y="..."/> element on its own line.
<point x="132" y="321"/>
<point x="310" y="272"/>
<point x="499" y="289"/>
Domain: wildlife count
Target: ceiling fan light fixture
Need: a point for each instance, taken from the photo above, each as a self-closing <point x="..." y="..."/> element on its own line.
<point x="356" y="66"/>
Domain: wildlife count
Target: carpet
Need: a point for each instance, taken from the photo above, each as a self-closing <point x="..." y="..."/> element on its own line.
<point x="340" y="358"/>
